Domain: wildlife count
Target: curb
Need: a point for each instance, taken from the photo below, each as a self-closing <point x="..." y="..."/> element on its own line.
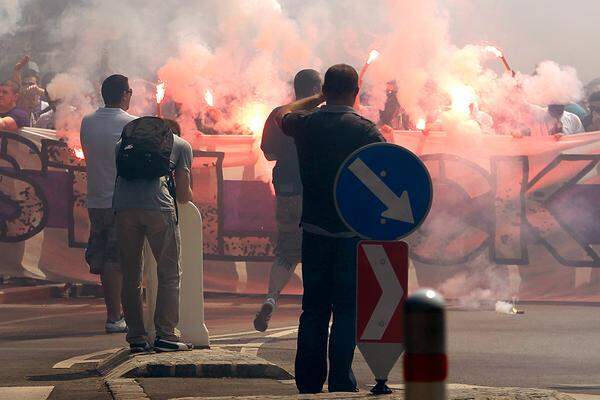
<point x="206" y="363"/>
<point x="126" y="389"/>
<point x="20" y="294"/>
<point x="474" y="393"/>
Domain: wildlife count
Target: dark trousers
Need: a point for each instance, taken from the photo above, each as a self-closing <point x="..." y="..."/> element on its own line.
<point x="329" y="276"/>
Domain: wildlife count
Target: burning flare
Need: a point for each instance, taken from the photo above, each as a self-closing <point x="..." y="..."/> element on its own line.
<point x="498" y="53"/>
<point x="254" y="116"/>
<point x="78" y="151"/>
<point x="421" y="124"/>
<point x="462" y="97"/>
<point x="209" y="98"/>
<point x="160" y="92"/>
<point x="494" y="50"/>
<point x="373" y="55"/>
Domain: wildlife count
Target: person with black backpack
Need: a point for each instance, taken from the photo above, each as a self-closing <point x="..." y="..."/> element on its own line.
<point x="153" y="175"/>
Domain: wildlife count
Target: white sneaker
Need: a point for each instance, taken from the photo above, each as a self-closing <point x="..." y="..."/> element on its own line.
<point x="116" y="327"/>
<point x="261" y="321"/>
<point x="163" y="346"/>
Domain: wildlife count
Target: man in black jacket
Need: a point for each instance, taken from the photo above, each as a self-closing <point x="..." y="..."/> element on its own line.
<point x="324" y="138"/>
<point x="288" y="191"/>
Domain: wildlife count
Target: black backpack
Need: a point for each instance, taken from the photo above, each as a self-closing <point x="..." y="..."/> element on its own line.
<point x="145" y="153"/>
<point x="145" y="149"/>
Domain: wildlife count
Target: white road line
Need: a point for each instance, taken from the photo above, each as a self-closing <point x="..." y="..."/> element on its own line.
<point x="50" y="306"/>
<point x="84" y="359"/>
<point x="25" y="393"/>
<point x="253" y="348"/>
<point x="18" y="321"/>
<point x="236" y="334"/>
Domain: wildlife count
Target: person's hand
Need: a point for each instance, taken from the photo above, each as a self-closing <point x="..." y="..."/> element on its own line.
<point x="29" y="96"/>
<point x="22" y="63"/>
<point x="557" y="128"/>
<point x="34" y="91"/>
<point x="386" y="129"/>
<point x="320" y="98"/>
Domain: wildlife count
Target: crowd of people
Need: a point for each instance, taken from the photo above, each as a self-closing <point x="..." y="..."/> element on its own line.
<point x="25" y="100"/>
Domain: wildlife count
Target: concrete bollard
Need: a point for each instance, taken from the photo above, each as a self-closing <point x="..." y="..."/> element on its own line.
<point x="425" y="360"/>
<point x="191" y="305"/>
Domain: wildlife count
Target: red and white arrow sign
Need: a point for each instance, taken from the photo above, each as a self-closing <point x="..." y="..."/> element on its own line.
<point x="382" y="283"/>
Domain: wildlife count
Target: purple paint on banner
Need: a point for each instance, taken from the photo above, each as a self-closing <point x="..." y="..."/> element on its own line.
<point x="578" y="208"/>
<point x="248" y="208"/>
<point x="57" y="188"/>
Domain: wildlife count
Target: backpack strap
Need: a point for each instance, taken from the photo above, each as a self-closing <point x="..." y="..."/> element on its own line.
<point x="173" y="192"/>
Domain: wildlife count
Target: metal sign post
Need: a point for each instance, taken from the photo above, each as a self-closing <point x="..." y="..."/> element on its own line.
<point x="383" y="192"/>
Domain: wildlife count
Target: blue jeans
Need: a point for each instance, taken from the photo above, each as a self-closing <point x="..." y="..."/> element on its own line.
<point x="329" y="276"/>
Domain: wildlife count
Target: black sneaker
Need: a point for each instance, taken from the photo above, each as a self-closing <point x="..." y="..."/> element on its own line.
<point x="143" y="347"/>
<point x="162" y="345"/>
<point x="261" y="321"/>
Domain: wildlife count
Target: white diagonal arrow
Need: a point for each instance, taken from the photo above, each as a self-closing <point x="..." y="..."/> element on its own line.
<point x="398" y="208"/>
<point x="391" y="295"/>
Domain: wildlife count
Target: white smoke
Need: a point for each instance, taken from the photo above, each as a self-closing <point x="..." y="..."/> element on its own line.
<point x="480" y="285"/>
<point x="247" y="52"/>
<point x="10" y="15"/>
<point x="553" y="84"/>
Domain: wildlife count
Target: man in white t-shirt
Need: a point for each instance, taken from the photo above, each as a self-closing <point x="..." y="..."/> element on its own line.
<point x="100" y="132"/>
<point x="558" y="122"/>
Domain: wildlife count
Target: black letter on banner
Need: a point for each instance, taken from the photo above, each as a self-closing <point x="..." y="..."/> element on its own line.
<point x="23" y="206"/>
<point x="457" y="227"/>
<point x="561" y="174"/>
<point x="509" y="242"/>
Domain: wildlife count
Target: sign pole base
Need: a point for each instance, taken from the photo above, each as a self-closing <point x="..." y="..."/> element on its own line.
<point x="381" y="387"/>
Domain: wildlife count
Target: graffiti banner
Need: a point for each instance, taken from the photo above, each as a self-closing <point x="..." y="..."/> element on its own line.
<point x="510" y="217"/>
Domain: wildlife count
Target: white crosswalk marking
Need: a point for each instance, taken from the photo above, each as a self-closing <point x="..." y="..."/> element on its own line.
<point x="25" y="392"/>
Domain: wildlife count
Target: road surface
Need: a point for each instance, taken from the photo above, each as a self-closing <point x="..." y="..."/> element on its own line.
<point x="550" y="346"/>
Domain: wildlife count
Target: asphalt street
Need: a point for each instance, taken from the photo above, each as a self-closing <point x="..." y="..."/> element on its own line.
<point x="550" y="346"/>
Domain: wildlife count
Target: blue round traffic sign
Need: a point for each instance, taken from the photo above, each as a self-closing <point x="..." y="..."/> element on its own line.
<point x="383" y="192"/>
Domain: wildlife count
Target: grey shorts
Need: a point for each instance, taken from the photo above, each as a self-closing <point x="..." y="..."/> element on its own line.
<point x="289" y="235"/>
<point x="102" y="251"/>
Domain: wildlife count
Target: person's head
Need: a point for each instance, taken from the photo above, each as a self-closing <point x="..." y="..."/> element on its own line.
<point x="31" y="80"/>
<point x="594" y="102"/>
<point x="116" y="92"/>
<point x="341" y="85"/>
<point x="173" y="126"/>
<point x="594" y="105"/>
<point x="556" y="110"/>
<point x="9" y="92"/>
<point x="391" y="88"/>
<point x="307" y="83"/>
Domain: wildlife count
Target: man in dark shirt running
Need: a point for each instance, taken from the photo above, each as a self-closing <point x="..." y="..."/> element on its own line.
<point x="324" y="138"/>
<point x="288" y="193"/>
